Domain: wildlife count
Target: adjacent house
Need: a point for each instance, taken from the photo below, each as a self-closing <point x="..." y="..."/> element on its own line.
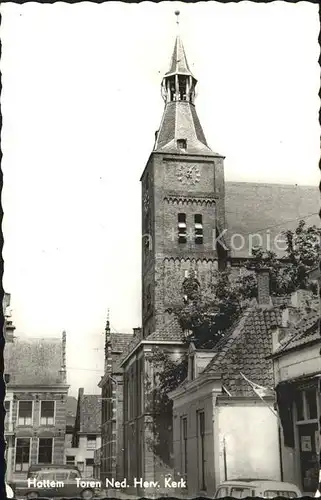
<point x="109" y="458"/>
<point x="224" y="417"/>
<point x="86" y="433"/>
<point x="297" y="374"/>
<point x="35" y="371"/>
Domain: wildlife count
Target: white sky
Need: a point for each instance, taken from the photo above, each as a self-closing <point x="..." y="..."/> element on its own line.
<point x="81" y="102"/>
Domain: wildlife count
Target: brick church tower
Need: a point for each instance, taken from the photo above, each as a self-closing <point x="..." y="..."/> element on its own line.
<point x="182" y="200"/>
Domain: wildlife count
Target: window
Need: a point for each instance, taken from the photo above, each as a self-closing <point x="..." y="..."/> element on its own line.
<point x="184" y="444"/>
<point x="192" y="361"/>
<point x="306" y="404"/>
<point x="80" y="466"/>
<point x="182" y="234"/>
<point x="7" y="420"/>
<point x="45" y="476"/>
<point x="91" y="442"/>
<point x="61" y="475"/>
<point x="25" y="413"/>
<point x="182" y="144"/>
<point x="201" y="449"/>
<point x="198" y="221"/>
<point x="45" y="450"/>
<point x="311" y="403"/>
<point x="70" y="460"/>
<point x="283" y="494"/>
<point x="47" y="414"/>
<point x="90" y="467"/>
<point x="222" y="492"/>
<point x="240" y="492"/>
<point x="73" y="475"/>
<point x="22" y="454"/>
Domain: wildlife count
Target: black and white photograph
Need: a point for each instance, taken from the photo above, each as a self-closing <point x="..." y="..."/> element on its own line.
<point x="161" y="249"/>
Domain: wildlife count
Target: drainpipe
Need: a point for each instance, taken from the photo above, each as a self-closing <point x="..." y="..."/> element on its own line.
<point x="224" y="459"/>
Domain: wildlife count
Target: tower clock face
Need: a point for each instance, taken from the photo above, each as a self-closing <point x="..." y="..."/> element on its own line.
<point x="188" y="174"/>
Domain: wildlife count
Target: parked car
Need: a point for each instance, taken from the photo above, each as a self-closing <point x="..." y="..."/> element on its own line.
<point x="58" y="482"/>
<point x="37" y="467"/>
<point x="264" y="488"/>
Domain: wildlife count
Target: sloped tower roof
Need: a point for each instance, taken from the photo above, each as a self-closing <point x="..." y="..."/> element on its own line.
<point x="180" y="121"/>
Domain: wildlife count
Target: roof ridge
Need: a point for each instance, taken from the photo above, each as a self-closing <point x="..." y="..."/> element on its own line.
<point x="234" y="334"/>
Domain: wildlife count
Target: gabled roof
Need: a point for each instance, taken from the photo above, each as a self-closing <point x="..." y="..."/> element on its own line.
<point x="247" y="347"/>
<point x="245" y="350"/>
<point x="120" y="341"/>
<point x="303" y="333"/>
<point x="171" y="332"/>
<point x="34" y="361"/>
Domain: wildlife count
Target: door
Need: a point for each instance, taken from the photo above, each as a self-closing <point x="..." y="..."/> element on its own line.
<point x="308" y="439"/>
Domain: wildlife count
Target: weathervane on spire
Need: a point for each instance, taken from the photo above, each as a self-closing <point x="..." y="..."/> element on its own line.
<point x="177" y="13"/>
<point x="107" y="321"/>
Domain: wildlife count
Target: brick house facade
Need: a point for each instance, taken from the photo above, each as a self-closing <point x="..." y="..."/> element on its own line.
<point x="36" y="403"/>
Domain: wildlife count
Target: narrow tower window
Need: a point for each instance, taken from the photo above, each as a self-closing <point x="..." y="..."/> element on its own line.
<point x="182" y="144"/>
<point x="198" y="229"/>
<point x="182" y="228"/>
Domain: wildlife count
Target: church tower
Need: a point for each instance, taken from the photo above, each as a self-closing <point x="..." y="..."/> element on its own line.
<point x="182" y="200"/>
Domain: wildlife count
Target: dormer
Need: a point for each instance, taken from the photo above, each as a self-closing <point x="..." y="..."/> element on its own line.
<point x="198" y="359"/>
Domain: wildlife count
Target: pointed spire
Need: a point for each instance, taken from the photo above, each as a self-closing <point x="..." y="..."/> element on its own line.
<point x="180" y="130"/>
<point x="179" y="64"/>
<point x="108" y="360"/>
<point x="107" y="328"/>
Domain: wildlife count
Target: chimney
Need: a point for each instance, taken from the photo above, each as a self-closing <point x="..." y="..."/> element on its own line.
<point x="137" y="332"/>
<point x="9" y="327"/>
<point x="301" y="299"/>
<point x="80" y="392"/>
<point x="6" y="301"/>
<point x="263" y="287"/>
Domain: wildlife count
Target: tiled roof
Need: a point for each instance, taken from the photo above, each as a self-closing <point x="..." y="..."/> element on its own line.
<point x="170" y="332"/>
<point x="267" y="209"/>
<point x="180" y="121"/>
<point x="179" y="62"/>
<point x="34" y="361"/>
<point x="90" y="413"/>
<point x="304" y="332"/>
<point x="119" y="341"/>
<point x="130" y="347"/>
<point x="245" y="349"/>
<point x="165" y="336"/>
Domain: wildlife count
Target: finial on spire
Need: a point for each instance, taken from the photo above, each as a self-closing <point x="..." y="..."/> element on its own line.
<point x="107" y="322"/>
<point x="177" y="13"/>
